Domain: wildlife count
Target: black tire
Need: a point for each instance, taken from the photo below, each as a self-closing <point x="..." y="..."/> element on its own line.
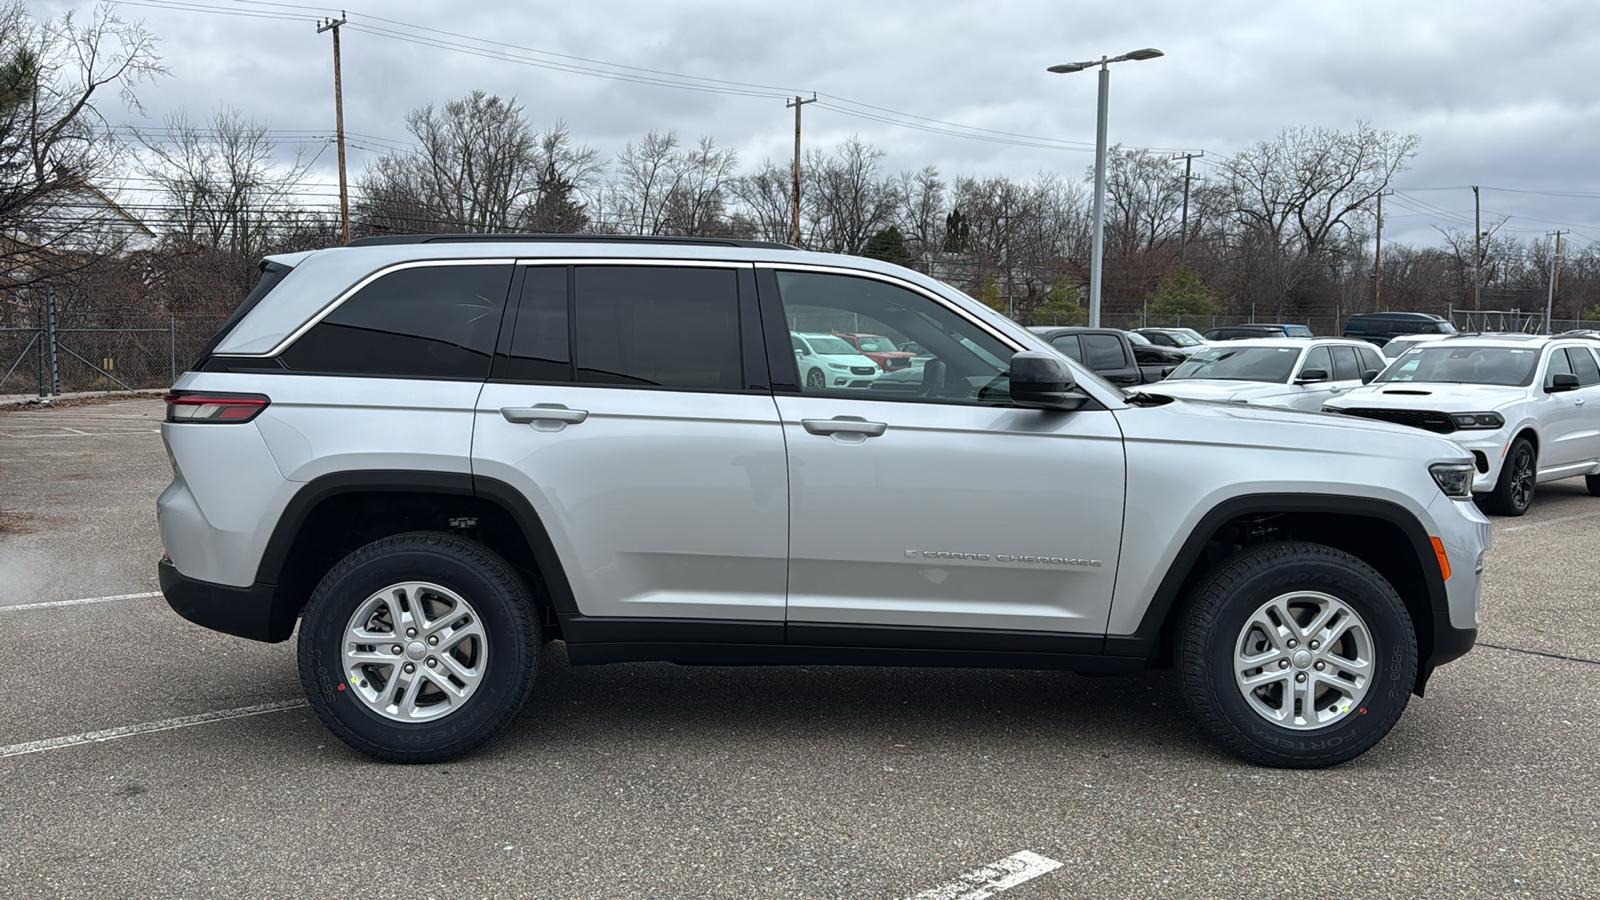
<point x="1592" y="482"/>
<point x="815" y="380"/>
<point x="1519" y="474"/>
<point x="511" y="641"/>
<point x="1213" y="627"/>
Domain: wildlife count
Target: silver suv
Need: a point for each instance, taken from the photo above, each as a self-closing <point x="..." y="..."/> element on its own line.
<point x="438" y="453"/>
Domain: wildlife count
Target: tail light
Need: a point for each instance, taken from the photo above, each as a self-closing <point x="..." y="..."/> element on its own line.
<point x="198" y="406"/>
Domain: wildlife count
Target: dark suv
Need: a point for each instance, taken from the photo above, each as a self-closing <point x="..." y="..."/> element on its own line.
<point x="1256" y="330"/>
<point x="1380" y="327"/>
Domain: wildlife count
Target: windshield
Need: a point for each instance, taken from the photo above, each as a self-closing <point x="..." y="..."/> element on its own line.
<point x="1456" y="364"/>
<point x="1184" y="339"/>
<point x="1269" y="364"/>
<point x="1139" y="339"/>
<point x="1446" y="328"/>
<point x="831" y="346"/>
<point x="871" y="343"/>
<point x="1297" y="331"/>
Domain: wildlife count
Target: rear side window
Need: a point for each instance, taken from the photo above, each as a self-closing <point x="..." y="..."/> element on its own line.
<point x="1583" y="366"/>
<point x="436" y="321"/>
<point x="667" y="326"/>
<point x="1345" y="365"/>
<point x="1103" y="351"/>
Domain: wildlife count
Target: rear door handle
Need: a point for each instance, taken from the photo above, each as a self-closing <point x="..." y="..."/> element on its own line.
<point x="543" y="412"/>
<point x="844" y="425"/>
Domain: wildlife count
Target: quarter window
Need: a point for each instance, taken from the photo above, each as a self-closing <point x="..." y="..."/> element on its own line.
<point x="436" y="321"/>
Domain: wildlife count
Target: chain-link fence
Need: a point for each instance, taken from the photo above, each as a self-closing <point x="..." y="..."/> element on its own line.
<point x="49" y="360"/>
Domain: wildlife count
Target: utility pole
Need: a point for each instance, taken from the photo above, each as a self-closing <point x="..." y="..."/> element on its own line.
<point x="1377" y="261"/>
<point x="797" y="103"/>
<point x="1477" y="249"/>
<point x="338" y="115"/>
<point x="1183" y="236"/>
<point x="1555" y="279"/>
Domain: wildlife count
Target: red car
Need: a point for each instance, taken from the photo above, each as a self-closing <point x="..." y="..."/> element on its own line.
<point x="879" y="349"/>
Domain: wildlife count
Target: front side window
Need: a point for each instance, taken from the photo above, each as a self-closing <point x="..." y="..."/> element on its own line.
<point x="436" y="321"/>
<point x="1559" y="365"/>
<point x="1318" y="358"/>
<point x="657" y="326"/>
<point x="957" y="361"/>
<point x="1455" y="364"/>
<point x="1265" y="364"/>
<point x="1583" y="366"/>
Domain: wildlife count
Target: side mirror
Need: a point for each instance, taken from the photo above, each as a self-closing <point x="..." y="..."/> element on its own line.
<point x="1043" y="381"/>
<point x="1562" y="383"/>
<point x="1311" y="376"/>
<point x="1368" y="376"/>
<point x="800" y="351"/>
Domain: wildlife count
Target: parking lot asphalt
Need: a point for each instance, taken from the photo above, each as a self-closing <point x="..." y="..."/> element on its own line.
<point x="651" y="780"/>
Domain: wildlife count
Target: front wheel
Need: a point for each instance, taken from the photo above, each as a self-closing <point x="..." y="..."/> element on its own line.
<point x="419" y="647"/>
<point x="1519" y="475"/>
<point x="1296" y="655"/>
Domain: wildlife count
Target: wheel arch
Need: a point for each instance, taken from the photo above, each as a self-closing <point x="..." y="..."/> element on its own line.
<point x="1383" y="534"/>
<point x="333" y="515"/>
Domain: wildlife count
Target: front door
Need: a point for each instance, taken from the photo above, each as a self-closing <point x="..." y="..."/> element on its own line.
<point x="927" y="500"/>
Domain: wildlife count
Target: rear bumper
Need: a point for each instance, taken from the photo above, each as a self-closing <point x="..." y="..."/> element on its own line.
<point x="254" y="612"/>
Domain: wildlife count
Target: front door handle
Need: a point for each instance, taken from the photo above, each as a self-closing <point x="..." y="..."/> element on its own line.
<point x="1577" y="401"/>
<point x="844" y="425"/>
<point x="543" y="412"/>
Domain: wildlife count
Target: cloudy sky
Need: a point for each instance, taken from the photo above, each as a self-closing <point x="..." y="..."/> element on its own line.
<point x="1502" y="95"/>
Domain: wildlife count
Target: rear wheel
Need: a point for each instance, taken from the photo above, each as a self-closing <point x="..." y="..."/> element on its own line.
<point x="1519" y="475"/>
<point x="1296" y="655"/>
<point x="419" y="647"/>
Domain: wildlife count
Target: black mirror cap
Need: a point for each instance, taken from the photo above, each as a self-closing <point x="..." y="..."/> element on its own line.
<point x="1310" y="376"/>
<point x="1043" y="381"/>
<point x="1562" y="383"/>
<point x="1369" y="376"/>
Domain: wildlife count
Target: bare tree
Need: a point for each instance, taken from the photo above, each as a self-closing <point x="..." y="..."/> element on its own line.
<point x="849" y="200"/>
<point x="1144" y="200"/>
<point x="765" y="203"/>
<point x="57" y="151"/>
<point x="1295" y="199"/>
<point x="475" y="169"/>
<point x="920" y="214"/>
<point x="566" y="173"/>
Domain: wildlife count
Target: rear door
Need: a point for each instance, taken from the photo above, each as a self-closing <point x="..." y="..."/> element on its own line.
<point x="628" y="408"/>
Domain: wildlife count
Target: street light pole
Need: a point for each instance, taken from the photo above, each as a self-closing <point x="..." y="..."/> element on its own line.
<point x="1096" y="263"/>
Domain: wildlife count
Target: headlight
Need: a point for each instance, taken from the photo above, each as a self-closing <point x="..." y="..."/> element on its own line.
<point x="1455" y="479"/>
<point x="1478" y="420"/>
<point x="839" y="367"/>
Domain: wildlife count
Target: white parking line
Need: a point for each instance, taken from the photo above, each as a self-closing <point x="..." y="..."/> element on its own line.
<point x="1557" y="521"/>
<point x="111" y="734"/>
<point x="55" y="603"/>
<point x="993" y="878"/>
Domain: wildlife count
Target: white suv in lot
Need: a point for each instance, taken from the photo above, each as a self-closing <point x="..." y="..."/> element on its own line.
<point x="1297" y="373"/>
<point x="437" y="453"/>
<point x="1526" y="406"/>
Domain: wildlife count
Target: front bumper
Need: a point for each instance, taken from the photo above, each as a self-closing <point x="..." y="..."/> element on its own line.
<point x="255" y="612"/>
<point x="1492" y="445"/>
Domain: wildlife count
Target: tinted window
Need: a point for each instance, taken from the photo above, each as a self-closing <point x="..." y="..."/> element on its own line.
<point x="421" y="322"/>
<point x="1583" y="366"/>
<point x="1371" y="360"/>
<point x="1270" y="364"/>
<point x="1068" y="344"/>
<point x="668" y="326"/>
<point x="1103" y="351"/>
<point x="1317" y="358"/>
<point x="539" y="343"/>
<point x="1345" y="365"/>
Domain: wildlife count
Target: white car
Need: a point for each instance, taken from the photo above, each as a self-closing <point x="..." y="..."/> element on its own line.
<point x="826" y="362"/>
<point x="1289" y="372"/>
<point x="1526" y="406"/>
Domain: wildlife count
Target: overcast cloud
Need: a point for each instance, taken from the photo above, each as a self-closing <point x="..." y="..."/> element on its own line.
<point x="1502" y="95"/>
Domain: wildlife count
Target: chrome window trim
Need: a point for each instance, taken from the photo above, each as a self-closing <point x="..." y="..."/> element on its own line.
<point x="351" y="291"/>
<point x="634" y="261"/>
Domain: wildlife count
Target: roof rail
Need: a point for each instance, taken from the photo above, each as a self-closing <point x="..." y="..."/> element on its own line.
<point x="544" y="238"/>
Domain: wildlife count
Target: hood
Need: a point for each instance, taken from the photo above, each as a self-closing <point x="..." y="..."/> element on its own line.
<point x="1441" y="396"/>
<point x="1216" y="389"/>
<point x="1208" y="422"/>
